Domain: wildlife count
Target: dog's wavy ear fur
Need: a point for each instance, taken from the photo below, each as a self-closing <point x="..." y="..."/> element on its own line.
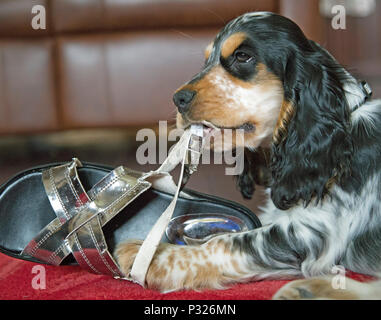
<point x="311" y="146"/>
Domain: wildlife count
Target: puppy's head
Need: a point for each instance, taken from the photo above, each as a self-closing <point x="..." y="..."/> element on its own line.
<point x="262" y="75"/>
<point x="241" y="83"/>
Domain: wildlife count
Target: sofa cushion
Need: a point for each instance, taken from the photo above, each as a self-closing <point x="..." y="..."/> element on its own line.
<point x="123" y="79"/>
<point x="27" y="92"/>
<point x="74" y="15"/>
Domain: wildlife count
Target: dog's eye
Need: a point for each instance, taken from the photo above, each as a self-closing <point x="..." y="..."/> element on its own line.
<point x="242" y="57"/>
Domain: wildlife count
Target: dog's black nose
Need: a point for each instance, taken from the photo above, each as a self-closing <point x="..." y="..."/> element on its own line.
<point x="183" y="99"/>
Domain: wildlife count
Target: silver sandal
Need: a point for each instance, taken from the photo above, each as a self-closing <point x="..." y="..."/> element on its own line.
<point x="69" y="225"/>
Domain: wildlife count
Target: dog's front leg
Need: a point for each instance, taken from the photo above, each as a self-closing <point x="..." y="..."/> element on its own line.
<point x="210" y="265"/>
<point x="275" y="251"/>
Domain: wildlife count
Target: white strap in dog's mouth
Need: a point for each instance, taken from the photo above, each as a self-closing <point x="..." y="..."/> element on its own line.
<point x="191" y="143"/>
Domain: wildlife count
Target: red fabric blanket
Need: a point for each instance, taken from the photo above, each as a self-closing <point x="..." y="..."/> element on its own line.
<point x="22" y="280"/>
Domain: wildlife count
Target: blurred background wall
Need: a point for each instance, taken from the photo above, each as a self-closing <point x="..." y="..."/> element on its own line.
<point x="102" y="69"/>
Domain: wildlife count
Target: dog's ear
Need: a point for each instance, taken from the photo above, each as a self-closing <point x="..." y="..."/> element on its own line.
<point x="245" y="181"/>
<point x="311" y="145"/>
<point x="256" y="171"/>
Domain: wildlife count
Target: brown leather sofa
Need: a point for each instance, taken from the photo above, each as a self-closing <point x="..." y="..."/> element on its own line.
<point x="103" y="63"/>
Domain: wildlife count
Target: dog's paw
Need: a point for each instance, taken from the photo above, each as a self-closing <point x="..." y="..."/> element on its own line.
<point x="125" y="254"/>
<point x="158" y="276"/>
<point x="314" y="289"/>
<point x="164" y="274"/>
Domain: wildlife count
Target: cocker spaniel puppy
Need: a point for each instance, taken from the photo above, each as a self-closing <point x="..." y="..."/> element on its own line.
<point x="322" y="134"/>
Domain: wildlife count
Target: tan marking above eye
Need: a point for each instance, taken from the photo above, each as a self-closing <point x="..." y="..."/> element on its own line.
<point x="208" y="50"/>
<point x="232" y="43"/>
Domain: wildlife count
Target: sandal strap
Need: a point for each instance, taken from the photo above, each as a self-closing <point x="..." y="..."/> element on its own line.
<point x="82" y="234"/>
<point x="109" y="196"/>
<point x="64" y="189"/>
<point x="188" y="148"/>
<point x="66" y="195"/>
<point x="89" y="248"/>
